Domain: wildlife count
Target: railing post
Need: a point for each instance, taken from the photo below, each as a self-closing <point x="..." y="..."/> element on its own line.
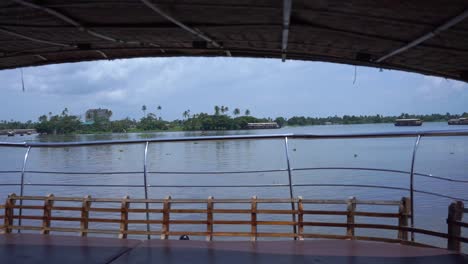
<point x="145" y="182"/>
<point x="253" y="219"/>
<point x="300" y="208"/>
<point x="209" y="219"/>
<point x="23" y="172"/>
<point x="166" y="218"/>
<point x="124" y="217"/>
<point x="403" y="214"/>
<point x="455" y="214"/>
<point x="291" y="191"/>
<point x="48" y="204"/>
<point x="351" y="208"/>
<point x="413" y="159"/>
<point x="9" y="212"/>
<point x="86" y="204"/>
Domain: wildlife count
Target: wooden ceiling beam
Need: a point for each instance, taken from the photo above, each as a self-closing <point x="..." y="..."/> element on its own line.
<point x="78" y="24"/>
<point x="426" y="36"/>
<point x="193" y="31"/>
<point x="43" y="41"/>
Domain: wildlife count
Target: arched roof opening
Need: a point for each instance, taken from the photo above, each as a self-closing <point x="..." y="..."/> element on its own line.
<point x="428" y="37"/>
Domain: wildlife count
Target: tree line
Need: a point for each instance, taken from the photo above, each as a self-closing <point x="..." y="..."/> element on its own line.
<point x="363" y="119"/>
<point x="222" y="118"/>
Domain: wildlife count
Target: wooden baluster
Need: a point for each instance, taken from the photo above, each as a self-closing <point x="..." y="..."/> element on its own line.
<point x="351" y="208"/>
<point x="85" y="215"/>
<point x="9" y="212"/>
<point x="48" y="204"/>
<point x="209" y="219"/>
<point x="124" y="217"/>
<point x="166" y="218"/>
<point x="300" y="217"/>
<point x="455" y="214"/>
<point x="253" y="219"/>
<point x="403" y="215"/>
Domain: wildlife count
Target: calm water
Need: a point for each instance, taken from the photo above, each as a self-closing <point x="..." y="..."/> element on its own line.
<point x="442" y="156"/>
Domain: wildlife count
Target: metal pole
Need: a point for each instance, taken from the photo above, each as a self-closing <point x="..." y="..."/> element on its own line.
<point x="25" y="161"/>
<point x="291" y="193"/>
<point x="415" y="148"/>
<point x="145" y="182"/>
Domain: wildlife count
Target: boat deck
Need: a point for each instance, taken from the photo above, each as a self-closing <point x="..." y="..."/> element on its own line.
<point x="32" y="248"/>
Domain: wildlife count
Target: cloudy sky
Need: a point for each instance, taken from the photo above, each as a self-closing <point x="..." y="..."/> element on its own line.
<point x="269" y="88"/>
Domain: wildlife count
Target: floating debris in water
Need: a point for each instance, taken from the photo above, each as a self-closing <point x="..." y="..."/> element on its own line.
<point x="121" y="150"/>
<point x="294" y="149"/>
<point x="355" y="155"/>
<point x="451" y="153"/>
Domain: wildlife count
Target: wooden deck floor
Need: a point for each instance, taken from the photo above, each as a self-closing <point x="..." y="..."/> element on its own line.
<point x="29" y="248"/>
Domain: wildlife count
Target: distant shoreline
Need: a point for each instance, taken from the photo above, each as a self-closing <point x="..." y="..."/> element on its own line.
<point x="182" y="130"/>
<point x="220" y="120"/>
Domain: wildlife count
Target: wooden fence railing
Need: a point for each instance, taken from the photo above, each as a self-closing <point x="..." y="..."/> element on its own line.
<point x="455" y="224"/>
<point x="128" y="217"/>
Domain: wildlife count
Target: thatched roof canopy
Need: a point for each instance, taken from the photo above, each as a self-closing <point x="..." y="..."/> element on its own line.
<point x="425" y="36"/>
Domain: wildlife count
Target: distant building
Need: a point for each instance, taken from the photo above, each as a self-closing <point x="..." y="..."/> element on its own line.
<point x="94" y="114"/>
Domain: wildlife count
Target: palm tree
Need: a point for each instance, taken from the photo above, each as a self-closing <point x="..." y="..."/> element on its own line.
<point x="223" y="109"/>
<point x="226" y="109"/>
<point x="143" y="108"/>
<point x="247" y="112"/>
<point x="216" y="108"/>
<point x="186" y="114"/>
<point x="159" y="110"/>
<point x="236" y="111"/>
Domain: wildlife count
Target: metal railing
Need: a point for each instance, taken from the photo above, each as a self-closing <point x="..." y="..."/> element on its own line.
<point x="285" y="137"/>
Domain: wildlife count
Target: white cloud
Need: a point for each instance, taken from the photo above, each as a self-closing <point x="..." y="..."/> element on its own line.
<point x="435" y="88"/>
<point x="267" y="87"/>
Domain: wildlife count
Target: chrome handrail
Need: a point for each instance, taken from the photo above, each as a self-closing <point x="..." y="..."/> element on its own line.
<point x="427" y="133"/>
<point x="289" y="169"/>
<point x="291" y="191"/>
<point x="413" y="159"/>
<point x="231" y="172"/>
<point x="25" y="161"/>
<point x="145" y="183"/>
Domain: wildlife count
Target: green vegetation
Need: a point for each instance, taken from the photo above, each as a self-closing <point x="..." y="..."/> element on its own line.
<point x="58" y="124"/>
<point x="204" y="121"/>
<point x="65" y="123"/>
<point x="9" y="125"/>
<point x="150" y="122"/>
<point x="371" y="119"/>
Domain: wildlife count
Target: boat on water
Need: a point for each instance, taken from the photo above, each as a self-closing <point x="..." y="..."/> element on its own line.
<point x="11" y="133"/>
<point x="268" y="125"/>
<point x="458" y="121"/>
<point x="146" y="230"/>
<point x="408" y="122"/>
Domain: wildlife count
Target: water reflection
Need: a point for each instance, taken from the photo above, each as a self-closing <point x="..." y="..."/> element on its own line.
<point x="442" y="156"/>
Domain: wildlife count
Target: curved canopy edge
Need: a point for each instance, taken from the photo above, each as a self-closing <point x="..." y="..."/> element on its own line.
<point x="428" y="37"/>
